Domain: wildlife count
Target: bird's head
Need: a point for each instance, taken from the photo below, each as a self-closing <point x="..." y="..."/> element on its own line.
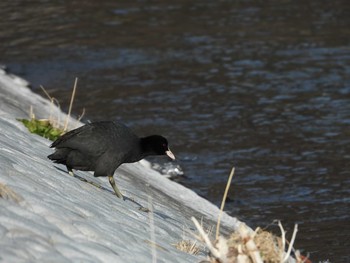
<point x="156" y="145"/>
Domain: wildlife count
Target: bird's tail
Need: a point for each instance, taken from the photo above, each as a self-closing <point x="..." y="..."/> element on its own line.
<point x="59" y="156"/>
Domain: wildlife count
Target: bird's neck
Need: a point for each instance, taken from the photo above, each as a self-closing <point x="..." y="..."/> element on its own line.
<point x="145" y="147"/>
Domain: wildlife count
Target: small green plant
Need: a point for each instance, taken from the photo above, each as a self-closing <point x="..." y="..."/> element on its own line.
<point x="42" y="127"/>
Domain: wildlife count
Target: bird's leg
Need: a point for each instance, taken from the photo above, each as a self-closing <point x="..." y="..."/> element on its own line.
<point x="70" y="171"/>
<point x="115" y="188"/>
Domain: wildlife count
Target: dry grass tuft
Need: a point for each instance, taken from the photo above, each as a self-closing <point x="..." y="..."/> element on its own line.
<point x="8" y="194"/>
<point x="248" y="246"/>
<point x="268" y="245"/>
<point x="51" y="128"/>
<point x="188" y="246"/>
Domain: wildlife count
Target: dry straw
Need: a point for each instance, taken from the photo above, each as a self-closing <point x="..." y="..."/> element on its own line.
<point x="223" y="202"/>
<point x="70" y="105"/>
<point x="56" y="121"/>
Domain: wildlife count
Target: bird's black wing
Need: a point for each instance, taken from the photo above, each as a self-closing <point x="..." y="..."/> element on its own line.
<point x="65" y="137"/>
<point x="88" y="139"/>
<point x="96" y="138"/>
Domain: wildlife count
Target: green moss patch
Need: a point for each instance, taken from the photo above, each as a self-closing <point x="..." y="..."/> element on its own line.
<point x="43" y="128"/>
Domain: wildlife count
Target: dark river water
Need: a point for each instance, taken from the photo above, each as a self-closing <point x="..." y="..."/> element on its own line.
<point x="260" y="85"/>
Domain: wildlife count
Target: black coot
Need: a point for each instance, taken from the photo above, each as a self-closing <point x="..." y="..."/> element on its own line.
<point x="103" y="146"/>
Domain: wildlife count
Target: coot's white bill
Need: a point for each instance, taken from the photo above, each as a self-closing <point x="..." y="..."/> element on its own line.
<point x="170" y="154"/>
